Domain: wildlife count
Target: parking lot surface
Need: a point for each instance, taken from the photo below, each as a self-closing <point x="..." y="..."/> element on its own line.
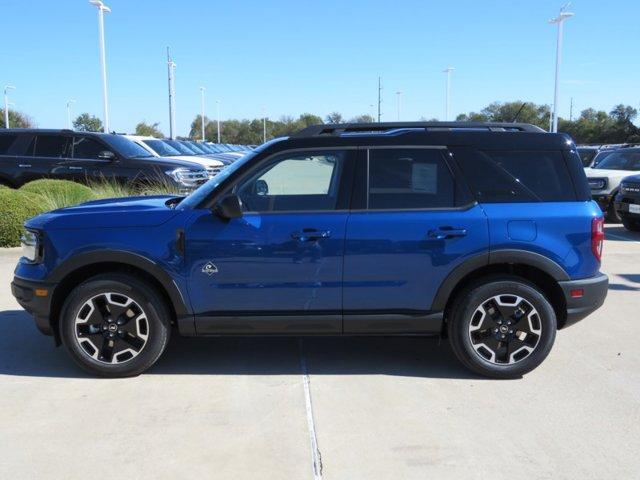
<point x="333" y="408"/>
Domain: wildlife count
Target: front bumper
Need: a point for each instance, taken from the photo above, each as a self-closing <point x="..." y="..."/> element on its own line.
<point x="37" y="303"/>
<point x="622" y="202"/>
<point x="594" y="292"/>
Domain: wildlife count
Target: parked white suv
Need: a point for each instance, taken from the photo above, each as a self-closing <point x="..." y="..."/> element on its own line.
<point x="160" y="148"/>
<point x="604" y="179"/>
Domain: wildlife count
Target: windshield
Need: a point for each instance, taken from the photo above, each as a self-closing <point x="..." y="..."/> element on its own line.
<point x="125" y="147"/>
<point x="180" y="147"/>
<point x="196" y="147"/>
<point x="205" y="147"/>
<point x="161" y="148"/>
<point x="187" y="145"/>
<point x="620" y="160"/>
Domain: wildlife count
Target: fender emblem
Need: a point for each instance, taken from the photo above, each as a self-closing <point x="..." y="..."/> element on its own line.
<point x="209" y="268"/>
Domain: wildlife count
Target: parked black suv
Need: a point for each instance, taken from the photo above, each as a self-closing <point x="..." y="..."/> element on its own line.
<point x="28" y="154"/>
<point x="627" y="202"/>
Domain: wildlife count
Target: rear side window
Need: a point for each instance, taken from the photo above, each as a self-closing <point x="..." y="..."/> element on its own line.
<point x="55" y="146"/>
<point x="5" y="143"/>
<point x="411" y="178"/>
<point x="504" y="176"/>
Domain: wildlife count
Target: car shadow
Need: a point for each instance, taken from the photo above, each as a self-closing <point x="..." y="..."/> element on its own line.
<point x="26" y="352"/>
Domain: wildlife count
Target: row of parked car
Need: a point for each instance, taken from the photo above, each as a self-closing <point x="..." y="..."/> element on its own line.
<point x="30" y="154"/>
<point x="613" y="172"/>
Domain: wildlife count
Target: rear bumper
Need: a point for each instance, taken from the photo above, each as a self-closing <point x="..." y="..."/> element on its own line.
<point x="594" y="292"/>
<point x="37" y="305"/>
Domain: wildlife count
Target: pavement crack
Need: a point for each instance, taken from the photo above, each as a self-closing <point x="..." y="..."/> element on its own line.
<point x="316" y="455"/>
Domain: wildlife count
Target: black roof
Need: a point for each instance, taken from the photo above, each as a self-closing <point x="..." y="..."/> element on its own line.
<point x="52" y="131"/>
<point x="393" y="127"/>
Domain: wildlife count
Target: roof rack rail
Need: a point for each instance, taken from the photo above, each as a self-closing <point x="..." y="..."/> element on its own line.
<point x="389" y="128"/>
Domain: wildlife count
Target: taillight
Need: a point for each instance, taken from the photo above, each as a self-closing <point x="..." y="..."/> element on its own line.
<point x="597" y="237"/>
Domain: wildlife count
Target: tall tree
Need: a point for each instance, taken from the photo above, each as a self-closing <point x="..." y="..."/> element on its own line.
<point x="335" y="117"/>
<point x="366" y="118"/>
<point x="149" y="130"/>
<point x="16" y="119"/>
<point x="86" y="122"/>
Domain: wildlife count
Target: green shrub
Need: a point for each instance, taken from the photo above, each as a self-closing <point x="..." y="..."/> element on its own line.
<point x="15" y="207"/>
<point x="59" y="193"/>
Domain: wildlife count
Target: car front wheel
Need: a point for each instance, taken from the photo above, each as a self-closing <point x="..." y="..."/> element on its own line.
<point x="502" y="327"/>
<point x="115" y="325"/>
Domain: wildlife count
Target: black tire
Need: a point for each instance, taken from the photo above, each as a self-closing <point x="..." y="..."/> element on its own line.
<point x="470" y="305"/>
<point x="612" y="215"/>
<point x="631" y="224"/>
<point x="148" y="311"/>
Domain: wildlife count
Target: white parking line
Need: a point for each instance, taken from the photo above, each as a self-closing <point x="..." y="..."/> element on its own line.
<point x="619" y="237"/>
<point x="315" y="451"/>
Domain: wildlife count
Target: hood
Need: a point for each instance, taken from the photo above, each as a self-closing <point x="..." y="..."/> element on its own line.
<point x="173" y="162"/>
<point x="204" y="161"/>
<point x="604" y="173"/>
<point x="632" y="178"/>
<point x="146" y="211"/>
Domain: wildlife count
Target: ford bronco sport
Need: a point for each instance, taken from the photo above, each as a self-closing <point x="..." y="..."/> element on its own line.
<point x="484" y="233"/>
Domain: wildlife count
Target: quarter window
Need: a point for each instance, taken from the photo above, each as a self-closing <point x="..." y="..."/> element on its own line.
<point x="52" y="146"/>
<point x="504" y="176"/>
<point x="294" y="182"/>
<point x="412" y="178"/>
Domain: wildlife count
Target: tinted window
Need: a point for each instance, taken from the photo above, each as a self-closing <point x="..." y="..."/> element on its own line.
<point x="587" y="155"/>
<point x="5" y="142"/>
<point x="51" y="146"/>
<point x="84" y="147"/>
<point x="620" y="160"/>
<point x="294" y="182"/>
<point x="518" y="176"/>
<point x="411" y="178"/>
<point x="180" y="147"/>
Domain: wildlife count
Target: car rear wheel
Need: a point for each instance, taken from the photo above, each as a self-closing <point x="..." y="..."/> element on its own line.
<point x="631" y="224"/>
<point x="115" y="325"/>
<point x="502" y="327"/>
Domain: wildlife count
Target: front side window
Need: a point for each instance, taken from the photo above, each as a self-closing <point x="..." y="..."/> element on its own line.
<point x="411" y="178"/>
<point x="53" y="146"/>
<point x="294" y="182"/>
<point x="87" y="148"/>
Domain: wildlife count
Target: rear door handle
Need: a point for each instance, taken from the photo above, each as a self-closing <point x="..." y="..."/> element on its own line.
<point x="75" y="168"/>
<point x="24" y="165"/>
<point x="310" y="235"/>
<point x="445" y="233"/>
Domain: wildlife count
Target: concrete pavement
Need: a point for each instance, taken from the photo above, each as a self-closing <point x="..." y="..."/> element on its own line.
<point x="380" y="407"/>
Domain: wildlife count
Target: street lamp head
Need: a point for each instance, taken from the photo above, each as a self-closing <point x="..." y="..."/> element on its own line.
<point x="8" y="87"/>
<point x="100" y="5"/>
<point x="448" y="70"/>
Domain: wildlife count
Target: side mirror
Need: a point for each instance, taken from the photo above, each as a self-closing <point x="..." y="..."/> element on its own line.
<point x="261" y="187"/>
<point x="106" y="155"/>
<point x="229" y="207"/>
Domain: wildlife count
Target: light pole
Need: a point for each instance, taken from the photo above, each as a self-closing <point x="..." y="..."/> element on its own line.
<point x="6" y="104"/>
<point x="202" y="89"/>
<point x="560" y="21"/>
<point x="102" y="8"/>
<point x="448" y="71"/>
<point x="264" y="124"/>
<point x="69" y="113"/>
<point x="218" y="118"/>
<point x="399" y="100"/>
<point x="172" y="96"/>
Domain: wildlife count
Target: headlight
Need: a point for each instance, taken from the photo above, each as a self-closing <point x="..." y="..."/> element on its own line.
<point x="30" y="245"/>
<point x="597" y="183"/>
<point x="187" y="177"/>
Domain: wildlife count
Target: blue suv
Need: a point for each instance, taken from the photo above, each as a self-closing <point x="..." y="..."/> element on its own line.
<point x="484" y="233"/>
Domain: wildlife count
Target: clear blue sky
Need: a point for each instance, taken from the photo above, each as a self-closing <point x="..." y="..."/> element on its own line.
<point x="300" y="56"/>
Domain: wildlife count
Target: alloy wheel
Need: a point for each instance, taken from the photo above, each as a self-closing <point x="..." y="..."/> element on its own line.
<point x="505" y="329"/>
<point x="111" y="328"/>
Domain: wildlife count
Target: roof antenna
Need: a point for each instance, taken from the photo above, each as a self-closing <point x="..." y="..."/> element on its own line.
<point x="518" y="114"/>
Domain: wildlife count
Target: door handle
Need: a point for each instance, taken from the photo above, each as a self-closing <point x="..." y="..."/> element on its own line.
<point x="445" y="233"/>
<point x="24" y="165"/>
<point x="75" y="168"/>
<point x="310" y="235"/>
